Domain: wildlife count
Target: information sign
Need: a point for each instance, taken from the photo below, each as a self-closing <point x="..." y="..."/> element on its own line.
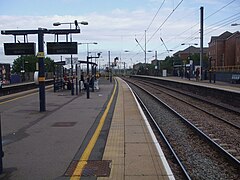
<point x="62" y="48"/>
<point x="19" y="48"/>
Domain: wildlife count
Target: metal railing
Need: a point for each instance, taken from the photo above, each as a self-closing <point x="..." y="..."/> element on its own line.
<point x="226" y="68"/>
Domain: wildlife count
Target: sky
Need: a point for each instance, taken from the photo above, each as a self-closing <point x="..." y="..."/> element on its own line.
<point x="116" y="25"/>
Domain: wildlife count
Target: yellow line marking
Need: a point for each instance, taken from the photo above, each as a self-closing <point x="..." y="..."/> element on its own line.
<point x="83" y="160"/>
<point x="21" y="96"/>
<point x="14" y="99"/>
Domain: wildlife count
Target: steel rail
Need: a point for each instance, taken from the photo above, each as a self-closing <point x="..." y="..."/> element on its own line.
<point x="226" y="154"/>
<point x="195" y="97"/>
<point x="201" y="109"/>
<point x="14" y="88"/>
<point x="163" y="137"/>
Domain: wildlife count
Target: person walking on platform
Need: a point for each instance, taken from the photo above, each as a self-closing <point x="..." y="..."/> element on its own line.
<point x="82" y="81"/>
<point x="188" y="74"/>
<point x="197" y="74"/>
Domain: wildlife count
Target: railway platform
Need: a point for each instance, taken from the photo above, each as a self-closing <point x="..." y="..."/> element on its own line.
<point x="225" y="86"/>
<point x="104" y="137"/>
<point x="131" y="145"/>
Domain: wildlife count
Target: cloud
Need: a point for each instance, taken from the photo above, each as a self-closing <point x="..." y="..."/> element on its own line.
<point x="117" y="29"/>
<point x="113" y="31"/>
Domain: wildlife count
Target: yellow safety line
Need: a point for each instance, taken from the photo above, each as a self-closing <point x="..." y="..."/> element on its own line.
<point x="20" y="97"/>
<point x="14" y="99"/>
<point x="83" y="160"/>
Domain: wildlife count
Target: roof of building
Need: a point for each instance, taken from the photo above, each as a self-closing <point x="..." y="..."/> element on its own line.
<point x="192" y="50"/>
<point x="222" y="36"/>
<point x="234" y="35"/>
<point x="225" y="35"/>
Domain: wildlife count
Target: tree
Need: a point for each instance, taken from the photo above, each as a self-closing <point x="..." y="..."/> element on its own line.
<point x="28" y="64"/>
<point x="167" y="64"/>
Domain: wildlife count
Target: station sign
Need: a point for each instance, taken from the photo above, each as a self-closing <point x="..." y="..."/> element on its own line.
<point x="19" y="48"/>
<point x="62" y="48"/>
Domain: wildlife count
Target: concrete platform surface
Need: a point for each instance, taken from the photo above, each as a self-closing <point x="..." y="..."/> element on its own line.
<point x="42" y="145"/>
<point x="130" y="145"/>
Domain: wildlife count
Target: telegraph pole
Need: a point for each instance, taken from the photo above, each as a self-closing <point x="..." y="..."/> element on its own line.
<point x="145" y="46"/>
<point x="201" y="41"/>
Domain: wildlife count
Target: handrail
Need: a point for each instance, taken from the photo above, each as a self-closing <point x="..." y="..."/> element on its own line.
<point x="235" y="68"/>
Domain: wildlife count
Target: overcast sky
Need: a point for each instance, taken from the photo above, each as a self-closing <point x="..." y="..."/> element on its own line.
<point x="114" y="25"/>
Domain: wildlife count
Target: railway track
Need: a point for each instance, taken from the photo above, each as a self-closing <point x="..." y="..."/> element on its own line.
<point x="220" y="124"/>
<point x="202" y="157"/>
<point x="15" y="88"/>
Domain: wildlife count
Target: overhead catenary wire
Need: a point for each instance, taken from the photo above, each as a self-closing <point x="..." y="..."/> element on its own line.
<point x="155" y="15"/>
<point x="228" y="20"/>
<point x="164" y="21"/>
<point x="222" y="25"/>
<point x="214" y="26"/>
<point x="209" y="29"/>
<point x="219" y="9"/>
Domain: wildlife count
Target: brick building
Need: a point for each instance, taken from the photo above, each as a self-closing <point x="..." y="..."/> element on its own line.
<point x="224" y="49"/>
<point x="188" y="52"/>
<point x="237" y="51"/>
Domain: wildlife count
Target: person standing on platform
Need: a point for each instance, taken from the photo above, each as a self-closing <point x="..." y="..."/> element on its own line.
<point x="197" y="74"/>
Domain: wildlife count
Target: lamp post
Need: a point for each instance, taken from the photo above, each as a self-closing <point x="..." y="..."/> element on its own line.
<point x="145" y="46"/>
<point x="88" y="78"/>
<point x="76" y="26"/>
<point x="88" y="46"/>
<point x="87" y="43"/>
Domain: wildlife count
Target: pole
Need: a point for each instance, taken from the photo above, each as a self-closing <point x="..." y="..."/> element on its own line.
<point x="88" y="93"/>
<point x="72" y="84"/>
<point x="1" y="151"/>
<point x="76" y="80"/>
<point x="41" y="77"/>
<point x="145" y="51"/>
<point x="109" y="64"/>
<point x="201" y="40"/>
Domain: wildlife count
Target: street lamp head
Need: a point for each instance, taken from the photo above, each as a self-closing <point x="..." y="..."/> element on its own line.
<point x="88" y="43"/>
<point x="189" y="44"/>
<point x="99" y="54"/>
<point x="84" y="23"/>
<point x="235" y="24"/>
<point x="56" y="24"/>
<point x="75" y="22"/>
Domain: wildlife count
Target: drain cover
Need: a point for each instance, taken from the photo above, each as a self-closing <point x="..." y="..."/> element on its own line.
<point x="97" y="168"/>
<point x="64" y="124"/>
